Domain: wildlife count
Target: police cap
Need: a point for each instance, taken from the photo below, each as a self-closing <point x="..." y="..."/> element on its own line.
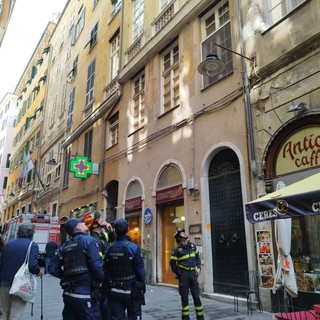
<point x="121" y="226"/>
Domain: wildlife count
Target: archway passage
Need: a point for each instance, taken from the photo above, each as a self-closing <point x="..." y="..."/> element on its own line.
<point x="229" y="252"/>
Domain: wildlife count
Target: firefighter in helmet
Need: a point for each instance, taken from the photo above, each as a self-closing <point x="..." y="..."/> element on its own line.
<point x="186" y="264"/>
<point x="100" y="230"/>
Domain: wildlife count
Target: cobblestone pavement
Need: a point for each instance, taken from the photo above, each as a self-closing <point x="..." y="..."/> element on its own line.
<point x="162" y="303"/>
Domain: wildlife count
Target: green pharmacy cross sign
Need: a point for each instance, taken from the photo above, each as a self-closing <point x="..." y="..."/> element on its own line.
<point x="81" y="167"/>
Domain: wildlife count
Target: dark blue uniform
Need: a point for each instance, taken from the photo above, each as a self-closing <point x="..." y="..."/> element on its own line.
<point x="81" y="274"/>
<point x="125" y="277"/>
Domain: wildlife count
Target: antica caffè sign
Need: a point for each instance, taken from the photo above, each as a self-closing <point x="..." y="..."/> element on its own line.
<point x="299" y="151"/>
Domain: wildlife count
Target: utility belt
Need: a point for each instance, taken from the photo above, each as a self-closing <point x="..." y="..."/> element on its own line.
<point x="70" y="285"/>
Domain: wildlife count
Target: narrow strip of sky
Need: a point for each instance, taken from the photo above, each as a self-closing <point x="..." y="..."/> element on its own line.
<point x="28" y="22"/>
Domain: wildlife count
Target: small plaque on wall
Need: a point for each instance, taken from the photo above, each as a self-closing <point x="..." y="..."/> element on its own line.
<point x="195" y="228"/>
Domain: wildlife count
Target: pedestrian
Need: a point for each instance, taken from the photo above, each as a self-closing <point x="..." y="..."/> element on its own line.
<point x="12" y="258"/>
<point x="78" y="264"/>
<point x="124" y="275"/>
<point x="100" y="230"/>
<point x="51" y="248"/>
<point x="186" y="264"/>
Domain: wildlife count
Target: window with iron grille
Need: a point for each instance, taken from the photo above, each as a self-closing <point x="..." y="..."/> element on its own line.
<point x="71" y="106"/>
<point x="114" y="56"/>
<point x="138" y="101"/>
<point x="276" y="10"/>
<point x="87" y="151"/>
<point x="170" y="78"/>
<point x="113" y="130"/>
<point x="90" y="83"/>
<point x="138" y="10"/>
<point x="216" y="29"/>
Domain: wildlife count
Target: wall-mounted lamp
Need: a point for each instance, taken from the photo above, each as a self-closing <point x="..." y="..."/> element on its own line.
<point x="213" y="66"/>
<point x="301" y="107"/>
<point x="52" y="162"/>
<point x="177" y="220"/>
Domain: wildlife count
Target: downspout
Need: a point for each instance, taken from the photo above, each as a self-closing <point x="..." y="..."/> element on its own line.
<point x="247" y="101"/>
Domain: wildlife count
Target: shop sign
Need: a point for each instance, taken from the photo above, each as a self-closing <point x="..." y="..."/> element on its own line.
<point x="169" y="194"/>
<point x="81" y="167"/>
<point x="133" y="203"/>
<point x="300" y="151"/>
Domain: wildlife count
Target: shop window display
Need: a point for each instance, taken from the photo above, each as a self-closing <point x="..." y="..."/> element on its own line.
<point x="305" y="251"/>
<point x="134" y="231"/>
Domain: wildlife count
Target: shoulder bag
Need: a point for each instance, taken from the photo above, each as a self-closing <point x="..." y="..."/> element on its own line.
<point x="24" y="284"/>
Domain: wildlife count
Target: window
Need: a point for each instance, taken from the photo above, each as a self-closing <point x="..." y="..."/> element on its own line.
<point x="113" y="130"/>
<point x="116" y="5"/>
<point x="88" y="145"/>
<point x="54" y="210"/>
<point x="137" y="18"/>
<point x="278" y="9"/>
<point x="90" y="83"/>
<point x="216" y="28"/>
<point x="80" y="23"/>
<point x="93" y="36"/>
<point x="5" y="181"/>
<point x="8" y="160"/>
<point x="114" y="56"/>
<point x="66" y="168"/>
<point x="170" y="78"/>
<point x="70" y="109"/>
<point x="52" y="114"/>
<point x="138" y="101"/>
<point x="163" y="4"/>
<point x="37" y="139"/>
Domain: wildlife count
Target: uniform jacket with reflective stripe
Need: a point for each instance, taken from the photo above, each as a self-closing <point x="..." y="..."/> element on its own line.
<point x="185" y="257"/>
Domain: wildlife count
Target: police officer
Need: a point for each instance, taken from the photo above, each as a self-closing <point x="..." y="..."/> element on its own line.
<point x="80" y="268"/>
<point x="100" y="230"/>
<point x="185" y="263"/>
<point x="125" y="275"/>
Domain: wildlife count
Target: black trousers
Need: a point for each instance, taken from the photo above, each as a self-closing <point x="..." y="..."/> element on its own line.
<point x="188" y="280"/>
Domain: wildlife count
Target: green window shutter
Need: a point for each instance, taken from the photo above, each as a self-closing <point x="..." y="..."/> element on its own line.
<point x="33" y="71"/>
<point x="5" y="181"/>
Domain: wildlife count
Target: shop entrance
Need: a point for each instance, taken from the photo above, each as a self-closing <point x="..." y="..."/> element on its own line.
<point x="227" y="223"/>
<point x="167" y="238"/>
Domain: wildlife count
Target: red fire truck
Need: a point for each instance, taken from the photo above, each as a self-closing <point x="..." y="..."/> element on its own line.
<point x="47" y="229"/>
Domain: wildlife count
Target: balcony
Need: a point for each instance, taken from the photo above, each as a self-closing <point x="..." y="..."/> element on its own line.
<point x="165" y="16"/>
<point x="135" y="48"/>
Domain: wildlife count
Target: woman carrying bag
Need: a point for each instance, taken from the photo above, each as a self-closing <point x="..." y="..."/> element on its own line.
<point x="13" y="256"/>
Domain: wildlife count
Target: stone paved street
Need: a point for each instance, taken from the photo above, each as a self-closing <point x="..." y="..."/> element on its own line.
<point x="162" y="303"/>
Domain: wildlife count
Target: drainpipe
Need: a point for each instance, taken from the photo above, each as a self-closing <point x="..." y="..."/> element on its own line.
<point x="246" y="93"/>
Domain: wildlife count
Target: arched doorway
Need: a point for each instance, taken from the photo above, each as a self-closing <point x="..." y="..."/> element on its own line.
<point x="229" y="256"/>
<point x="170" y="208"/>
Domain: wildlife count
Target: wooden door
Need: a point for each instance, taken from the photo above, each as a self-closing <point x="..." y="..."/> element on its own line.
<point x="168" y="242"/>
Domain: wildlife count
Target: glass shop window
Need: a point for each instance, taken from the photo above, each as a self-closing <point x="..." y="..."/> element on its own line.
<point x="305" y="252"/>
